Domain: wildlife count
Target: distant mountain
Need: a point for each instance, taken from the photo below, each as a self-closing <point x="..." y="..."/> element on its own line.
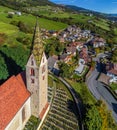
<point x="112" y="17"/>
<point x="25" y="3"/>
<point x="76" y="8"/>
<point x="80" y="9"/>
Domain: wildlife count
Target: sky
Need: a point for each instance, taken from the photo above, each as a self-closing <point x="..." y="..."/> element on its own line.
<point x="104" y="6"/>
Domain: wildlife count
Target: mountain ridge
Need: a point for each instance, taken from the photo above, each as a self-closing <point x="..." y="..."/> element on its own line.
<point x="25" y="3"/>
<point x="83" y="10"/>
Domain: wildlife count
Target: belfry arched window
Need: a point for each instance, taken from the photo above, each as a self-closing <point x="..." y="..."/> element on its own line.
<point x="32" y="72"/>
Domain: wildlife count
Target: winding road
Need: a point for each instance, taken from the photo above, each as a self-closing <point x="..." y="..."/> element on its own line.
<point x="100" y="91"/>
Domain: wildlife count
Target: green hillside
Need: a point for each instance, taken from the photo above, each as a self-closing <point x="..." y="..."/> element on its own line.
<point x="16" y="31"/>
<point x="15" y="43"/>
<point x="25" y="3"/>
<point x="47" y="10"/>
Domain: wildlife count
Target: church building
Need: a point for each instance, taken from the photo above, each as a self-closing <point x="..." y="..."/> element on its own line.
<point x="25" y="94"/>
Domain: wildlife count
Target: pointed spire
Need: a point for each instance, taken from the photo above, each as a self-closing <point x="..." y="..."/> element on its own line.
<point x="37" y="44"/>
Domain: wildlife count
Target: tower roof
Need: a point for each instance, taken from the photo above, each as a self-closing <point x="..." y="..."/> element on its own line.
<point x="37" y="45"/>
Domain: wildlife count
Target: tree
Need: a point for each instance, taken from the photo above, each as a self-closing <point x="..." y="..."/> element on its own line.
<point x="76" y="77"/>
<point x="64" y="69"/>
<point x="2" y="37"/>
<point x="114" y="55"/>
<point x="23" y="27"/>
<point x="77" y="55"/>
<point x="3" y="69"/>
<point x="93" y="120"/>
<point x="10" y="16"/>
<point x="18" y="54"/>
<point x="107" y="119"/>
<point x="53" y="47"/>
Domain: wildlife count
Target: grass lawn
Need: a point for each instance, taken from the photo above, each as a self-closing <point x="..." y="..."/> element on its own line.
<point x="83" y="91"/>
<point x="115" y="31"/>
<point x="4" y="9"/>
<point x="31" y="20"/>
<point x="8" y="29"/>
<point x="12" y="31"/>
<point x="113" y="86"/>
<point x="80" y="18"/>
<point x="115" y="39"/>
<point x="101" y="23"/>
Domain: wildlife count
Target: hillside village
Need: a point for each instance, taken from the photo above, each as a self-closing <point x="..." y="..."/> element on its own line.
<point x="85" y="44"/>
<point x="70" y="60"/>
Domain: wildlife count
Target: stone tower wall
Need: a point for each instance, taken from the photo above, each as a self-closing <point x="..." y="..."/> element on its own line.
<point x="43" y="83"/>
<point x="33" y="87"/>
<point x="38" y="88"/>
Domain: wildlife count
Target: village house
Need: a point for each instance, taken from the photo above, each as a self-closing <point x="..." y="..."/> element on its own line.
<point x="80" y="68"/>
<point x="73" y="33"/>
<point x="11" y="13"/>
<point x="18" y="13"/>
<point x="71" y="50"/>
<point x="98" y="42"/>
<point x="83" y="54"/>
<point x="53" y="33"/>
<point x="52" y="64"/>
<point x="104" y="78"/>
<point x="113" y="73"/>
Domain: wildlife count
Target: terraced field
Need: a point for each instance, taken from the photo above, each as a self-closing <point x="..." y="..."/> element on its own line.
<point x="62" y="115"/>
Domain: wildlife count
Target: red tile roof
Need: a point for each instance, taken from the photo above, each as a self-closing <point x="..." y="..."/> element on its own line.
<point x="75" y="44"/>
<point x="104" y="78"/>
<point x="13" y="94"/>
<point x="71" y="49"/>
<point x="84" y="55"/>
<point x="113" y="71"/>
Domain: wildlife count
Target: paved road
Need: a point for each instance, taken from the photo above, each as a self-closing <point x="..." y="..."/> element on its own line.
<point x="92" y="84"/>
<point x="100" y="91"/>
<point x="109" y="99"/>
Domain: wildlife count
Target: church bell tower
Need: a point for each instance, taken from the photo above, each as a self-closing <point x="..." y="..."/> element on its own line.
<point x="37" y="75"/>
